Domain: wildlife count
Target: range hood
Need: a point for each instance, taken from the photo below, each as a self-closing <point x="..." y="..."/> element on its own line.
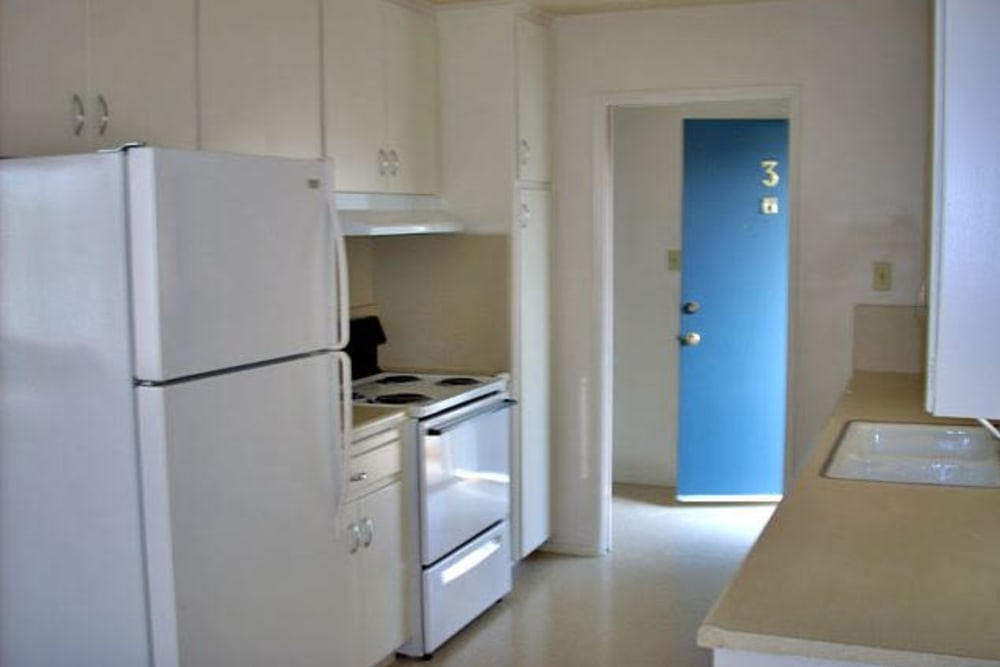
<point x="394" y="215"/>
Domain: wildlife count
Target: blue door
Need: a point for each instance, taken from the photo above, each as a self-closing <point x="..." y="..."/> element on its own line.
<point x="734" y="302"/>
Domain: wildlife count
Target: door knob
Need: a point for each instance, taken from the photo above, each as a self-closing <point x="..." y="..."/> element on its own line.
<point x="691" y="307"/>
<point x="690" y="339"/>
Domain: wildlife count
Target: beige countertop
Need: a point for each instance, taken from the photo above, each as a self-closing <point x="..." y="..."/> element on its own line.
<point x="894" y="574"/>
<point x="369" y="419"/>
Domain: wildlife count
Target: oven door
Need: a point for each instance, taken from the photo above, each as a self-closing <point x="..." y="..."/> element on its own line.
<point x="464" y="464"/>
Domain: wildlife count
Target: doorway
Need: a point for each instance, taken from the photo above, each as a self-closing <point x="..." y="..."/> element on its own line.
<point x="642" y="221"/>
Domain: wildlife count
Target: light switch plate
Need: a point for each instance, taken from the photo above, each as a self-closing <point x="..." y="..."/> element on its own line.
<point x="673" y="260"/>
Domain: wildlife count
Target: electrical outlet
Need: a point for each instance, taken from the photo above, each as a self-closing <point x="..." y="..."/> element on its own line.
<point x="882" y="276"/>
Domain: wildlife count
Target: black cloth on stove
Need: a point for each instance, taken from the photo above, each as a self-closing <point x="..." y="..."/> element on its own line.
<point x="366" y="335"/>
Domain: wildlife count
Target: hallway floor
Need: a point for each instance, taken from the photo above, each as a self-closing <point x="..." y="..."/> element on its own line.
<point x="641" y="605"/>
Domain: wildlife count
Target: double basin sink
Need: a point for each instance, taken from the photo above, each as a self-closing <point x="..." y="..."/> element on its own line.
<point x="916" y="454"/>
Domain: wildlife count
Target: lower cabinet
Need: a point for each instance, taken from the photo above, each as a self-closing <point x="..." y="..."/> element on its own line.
<point x="371" y="570"/>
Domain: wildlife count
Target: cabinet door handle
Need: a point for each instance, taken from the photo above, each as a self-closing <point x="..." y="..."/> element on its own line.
<point x="524" y="152"/>
<point x="367" y="532"/>
<point x="359" y="477"/>
<point x="79" y="115"/>
<point x="393" y="163"/>
<point x="355" y="542"/>
<point x="102" y="127"/>
<point x="383" y="162"/>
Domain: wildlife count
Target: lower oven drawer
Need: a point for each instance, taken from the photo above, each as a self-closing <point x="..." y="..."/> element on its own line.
<point x="465" y="584"/>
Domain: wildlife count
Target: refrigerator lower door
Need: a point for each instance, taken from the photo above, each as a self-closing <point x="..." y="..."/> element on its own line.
<point x="464" y="585"/>
<point x="234" y="261"/>
<point x="241" y="477"/>
<point x="72" y="589"/>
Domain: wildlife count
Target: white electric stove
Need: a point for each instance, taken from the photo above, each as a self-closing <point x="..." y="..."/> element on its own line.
<point x="457" y="443"/>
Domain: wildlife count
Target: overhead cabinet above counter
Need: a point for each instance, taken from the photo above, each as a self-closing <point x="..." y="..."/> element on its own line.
<point x="79" y="75"/>
<point x="355" y="80"/>
<point x="380" y="88"/>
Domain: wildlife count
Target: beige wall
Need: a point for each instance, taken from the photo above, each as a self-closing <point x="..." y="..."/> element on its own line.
<point x="862" y="70"/>
<point x="442" y="299"/>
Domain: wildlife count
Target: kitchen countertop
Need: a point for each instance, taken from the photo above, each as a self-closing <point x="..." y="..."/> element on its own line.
<point x="894" y="574"/>
<point x="370" y="419"/>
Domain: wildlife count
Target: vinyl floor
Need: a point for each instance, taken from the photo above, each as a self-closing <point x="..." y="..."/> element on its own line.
<point x="639" y="606"/>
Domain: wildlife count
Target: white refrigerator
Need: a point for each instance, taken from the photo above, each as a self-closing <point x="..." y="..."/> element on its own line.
<point x="174" y="405"/>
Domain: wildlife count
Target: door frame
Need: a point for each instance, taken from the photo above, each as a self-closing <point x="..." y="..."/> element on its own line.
<point x="603" y="303"/>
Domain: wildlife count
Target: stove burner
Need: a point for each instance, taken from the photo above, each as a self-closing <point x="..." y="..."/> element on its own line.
<point x="397" y="379"/>
<point x="458" y="382"/>
<point x="401" y="399"/>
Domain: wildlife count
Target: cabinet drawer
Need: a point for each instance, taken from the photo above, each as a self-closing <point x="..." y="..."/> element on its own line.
<point x="374" y="468"/>
<point x="380" y="439"/>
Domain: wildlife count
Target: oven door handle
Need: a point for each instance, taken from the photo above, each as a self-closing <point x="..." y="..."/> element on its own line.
<point x="492" y="407"/>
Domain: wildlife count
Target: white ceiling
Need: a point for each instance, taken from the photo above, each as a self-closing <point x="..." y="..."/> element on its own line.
<point x="561" y="7"/>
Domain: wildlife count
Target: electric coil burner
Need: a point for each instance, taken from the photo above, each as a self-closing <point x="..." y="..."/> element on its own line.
<point x="401" y="399"/>
<point x="459" y="382"/>
<point x="398" y="379"/>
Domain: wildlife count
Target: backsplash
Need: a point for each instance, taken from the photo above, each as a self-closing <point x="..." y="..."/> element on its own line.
<point x="890" y="338"/>
<point x="442" y="299"/>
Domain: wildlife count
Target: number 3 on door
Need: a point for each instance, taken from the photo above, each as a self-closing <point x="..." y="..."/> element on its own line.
<point x="771" y="177"/>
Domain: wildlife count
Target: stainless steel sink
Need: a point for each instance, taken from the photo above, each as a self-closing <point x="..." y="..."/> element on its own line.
<point x="916" y="454"/>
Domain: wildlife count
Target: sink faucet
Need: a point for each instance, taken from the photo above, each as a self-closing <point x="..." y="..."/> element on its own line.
<point x="989" y="427"/>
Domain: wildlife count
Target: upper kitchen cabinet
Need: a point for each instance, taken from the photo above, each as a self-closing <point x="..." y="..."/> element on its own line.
<point x="76" y="75"/>
<point x="495" y="111"/>
<point x="381" y="96"/>
<point x="259" y="77"/>
<point x="534" y="85"/>
<point x="963" y="364"/>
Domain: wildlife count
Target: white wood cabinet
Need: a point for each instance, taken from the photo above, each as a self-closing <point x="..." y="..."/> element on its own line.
<point x="534" y="86"/>
<point x="495" y="84"/>
<point x="371" y="572"/>
<point x="259" y="77"/>
<point x="77" y="75"/>
<point x="530" y="372"/>
<point x="963" y="364"/>
<point x="381" y="96"/>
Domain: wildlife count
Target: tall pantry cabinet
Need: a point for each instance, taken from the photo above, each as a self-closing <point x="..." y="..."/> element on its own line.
<point x="495" y="91"/>
<point x="78" y="75"/>
<point x="963" y="374"/>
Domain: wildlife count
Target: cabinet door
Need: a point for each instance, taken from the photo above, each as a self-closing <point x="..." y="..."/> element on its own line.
<point x="383" y="572"/>
<point x="354" y="93"/>
<point x="963" y="365"/>
<point x="259" y="77"/>
<point x="534" y="62"/>
<point x="412" y="98"/>
<point x="43" y="77"/>
<point x="142" y="58"/>
<point x="531" y="374"/>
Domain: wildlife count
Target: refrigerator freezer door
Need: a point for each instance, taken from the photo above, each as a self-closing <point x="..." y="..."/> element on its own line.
<point x="240" y="481"/>
<point x="72" y="588"/>
<point x="233" y="261"/>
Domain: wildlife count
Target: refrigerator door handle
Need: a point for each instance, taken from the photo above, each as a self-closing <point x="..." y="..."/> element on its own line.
<point x="340" y="257"/>
<point x="343" y="394"/>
